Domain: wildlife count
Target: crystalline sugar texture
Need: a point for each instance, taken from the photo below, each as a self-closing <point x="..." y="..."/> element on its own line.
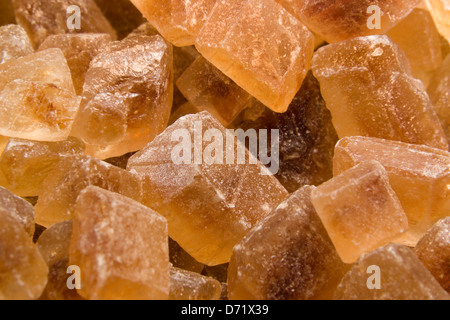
<point x="19" y="209"/>
<point x="182" y="260"/>
<point x="179" y="21"/>
<point x="37" y="97"/>
<point x="440" y="9"/>
<point x="210" y="201"/>
<point x="120" y="246"/>
<point x="367" y="85"/>
<point x="127" y="96"/>
<point x="79" y="50"/>
<point x="419" y="175"/>
<point x="337" y="20"/>
<point x="14" y="43"/>
<point x="208" y="89"/>
<point x="42" y="18"/>
<point x="287" y="256"/>
<point x="434" y="252"/>
<point x="72" y="174"/>
<point x="402" y="277"/>
<point x="186" y="285"/>
<point x="260" y="46"/>
<point x="360" y="210"/>
<point x="23" y="270"/>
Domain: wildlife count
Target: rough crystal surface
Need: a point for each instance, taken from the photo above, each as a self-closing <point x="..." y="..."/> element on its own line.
<point x="79" y="50"/>
<point x="179" y="21"/>
<point x="120" y="246"/>
<point x="208" y="89"/>
<point x="23" y="271"/>
<point x="360" y="210"/>
<point x="14" y="43"/>
<point x="210" y="201"/>
<point x="186" y="285"/>
<point x="403" y="277"/>
<point x="42" y="18"/>
<point x="367" y="85"/>
<point x="337" y="20"/>
<point x="70" y="176"/>
<point x="37" y="97"/>
<point x="127" y="96"/>
<point x="288" y="256"/>
<point x="25" y="164"/>
<point x="434" y="252"/>
<point x="440" y="9"/>
<point x="19" y="209"/>
<point x="307" y="136"/>
<point x="260" y="46"/>
<point x="419" y="175"/>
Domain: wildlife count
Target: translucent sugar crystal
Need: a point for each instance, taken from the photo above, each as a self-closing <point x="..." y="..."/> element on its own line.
<point x="19" y="209"/>
<point x="23" y="270"/>
<point x="210" y="201"/>
<point x="186" y="285"/>
<point x="25" y="164"/>
<point x="288" y="256"/>
<point x="54" y="246"/>
<point x="367" y="85"/>
<point x="439" y="90"/>
<point x="120" y="246"/>
<point x="37" y="97"/>
<point x="419" y="38"/>
<point x="401" y="277"/>
<point x="434" y="252"/>
<point x="3" y="143"/>
<point x="122" y="15"/>
<point x="42" y="18"/>
<point x="207" y="88"/>
<point x="183" y="57"/>
<point x="70" y="176"/>
<point x="360" y="210"/>
<point x="179" y="21"/>
<point x="14" y="43"/>
<point x="307" y="136"/>
<point x="419" y="175"/>
<point x="6" y="13"/>
<point x="79" y="50"/>
<point x="337" y="20"/>
<point x="182" y="260"/>
<point x="127" y="96"/>
<point x="183" y="110"/>
<point x="440" y="9"/>
<point x="260" y="46"/>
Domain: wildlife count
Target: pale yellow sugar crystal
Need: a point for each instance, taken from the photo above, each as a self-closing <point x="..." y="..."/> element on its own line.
<point x="359" y="210"/>
<point x="260" y="46"/>
<point x="440" y="9"/>
<point x="37" y="97"/>
<point x="14" y="43"/>
<point x="210" y="201"/>
<point x="120" y="246"/>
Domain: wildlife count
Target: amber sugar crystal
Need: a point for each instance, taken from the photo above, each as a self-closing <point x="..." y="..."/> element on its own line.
<point x="23" y="271"/>
<point x="186" y="285"/>
<point x="120" y="246"/>
<point x="420" y="176"/>
<point x="367" y="85"/>
<point x="180" y="259"/>
<point x="6" y="13"/>
<point x="287" y="256"/>
<point x="70" y="176"/>
<point x="79" y="50"/>
<point x="37" y="97"/>
<point x="402" y="277"/>
<point x="127" y="96"/>
<point x="210" y="202"/>
<point x="359" y="210"/>
<point x="440" y="9"/>
<point x="18" y="208"/>
<point x="14" y="43"/>
<point x="179" y="21"/>
<point x="24" y="164"/>
<point x="337" y="20"/>
<point x="434" y="252"/>
<point x="260" y="46"/>
<point x="42" y="18"/>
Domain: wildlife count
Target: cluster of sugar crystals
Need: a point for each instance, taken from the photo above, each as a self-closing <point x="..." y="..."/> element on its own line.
<point x="120" y="155"/>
